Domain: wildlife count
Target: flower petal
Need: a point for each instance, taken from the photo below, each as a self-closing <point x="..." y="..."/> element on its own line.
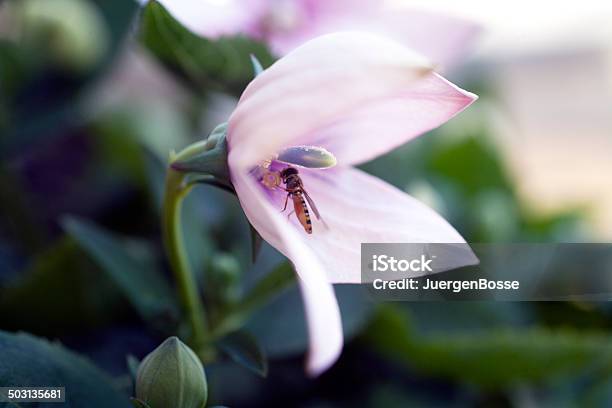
<point x="359" y="208"/>
<point x="311" y="18"/>
<point x="213" y="18"/>
<point x="382" y="125"/>
<point x="315" y="86"/>
<point x="321" y="306"/>
<point x="442" y="38"/>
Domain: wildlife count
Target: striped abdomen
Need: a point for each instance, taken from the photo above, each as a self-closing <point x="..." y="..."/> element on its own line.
<point x="301" y="210"/>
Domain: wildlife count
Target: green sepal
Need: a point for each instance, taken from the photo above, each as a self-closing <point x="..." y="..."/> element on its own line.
<point x="256" y="241"/>
<point x="257" y="67"/>
<point x="208" y="157"/>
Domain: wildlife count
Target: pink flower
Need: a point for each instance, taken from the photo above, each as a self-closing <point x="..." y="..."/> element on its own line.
<point x="441" y="38"/>
<point x="215" y="18"/>
<point x="285" y="24"/>
<point x="358" y="96"/>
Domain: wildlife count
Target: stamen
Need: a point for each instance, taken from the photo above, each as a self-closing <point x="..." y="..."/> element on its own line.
<point x="271" y="179"/>
<point x="312" y="157"/>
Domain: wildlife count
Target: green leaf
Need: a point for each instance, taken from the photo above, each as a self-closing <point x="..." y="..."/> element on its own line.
<point x="490" y="358"/>
<point x="281" y="278"/>
<point x="223" y="62"/>
<point x="28" y="361"/>
<point x="35" y="300"/>
<point x="472" y="162"/>
<point x="130" y="264"/>
<point x="244" y="349"/>
<point x="280" y="327"/>
<point x="264" y="291"/>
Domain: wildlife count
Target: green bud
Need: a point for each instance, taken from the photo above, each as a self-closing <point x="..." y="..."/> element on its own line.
<point x="225" y="277"/>
<point x="172" y="376"/>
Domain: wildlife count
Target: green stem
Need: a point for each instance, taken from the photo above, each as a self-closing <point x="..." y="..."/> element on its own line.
<point x="176" y="190"/>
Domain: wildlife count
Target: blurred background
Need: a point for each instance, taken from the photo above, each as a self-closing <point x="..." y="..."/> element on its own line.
<point x="95" y="93"/>
<point x="549" y="65"/>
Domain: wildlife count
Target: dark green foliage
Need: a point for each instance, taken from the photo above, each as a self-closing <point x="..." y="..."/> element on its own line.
<point x="131" y="265"/>
<point x="242" y="348"/>
<point x="78" y="277"/>
<point x="44" y="283"/>
<point x="223" y="63"/>
<point x="494" y="358"/>
<point x="30" y="362"/>
<point x="39" y="94"/>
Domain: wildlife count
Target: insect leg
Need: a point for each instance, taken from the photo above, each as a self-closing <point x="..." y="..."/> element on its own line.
<point x="286" y="201"/>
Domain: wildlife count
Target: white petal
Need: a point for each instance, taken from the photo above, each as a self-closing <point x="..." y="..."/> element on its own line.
<point x="359" y="208"/>
<point x="314" y="86"/>
<point x="321" y="306"/>
<point x="216" y="18"/>
<point x="384" y="124"/>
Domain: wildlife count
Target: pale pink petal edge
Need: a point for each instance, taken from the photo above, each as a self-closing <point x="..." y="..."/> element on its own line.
<point x="320" y="304"/>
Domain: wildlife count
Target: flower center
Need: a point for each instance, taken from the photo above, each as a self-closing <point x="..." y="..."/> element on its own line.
<point x="270" y="172"/>
<point x="280" y="178"/>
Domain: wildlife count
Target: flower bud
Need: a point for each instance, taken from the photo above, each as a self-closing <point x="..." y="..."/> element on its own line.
<point x="225" y="277"/>
<point x="172" y="376"/>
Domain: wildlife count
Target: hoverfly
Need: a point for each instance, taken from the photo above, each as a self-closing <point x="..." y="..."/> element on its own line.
<point x="295" y="190"/>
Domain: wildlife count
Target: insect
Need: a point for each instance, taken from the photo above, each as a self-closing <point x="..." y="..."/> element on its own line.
<point x="295" y="190"/>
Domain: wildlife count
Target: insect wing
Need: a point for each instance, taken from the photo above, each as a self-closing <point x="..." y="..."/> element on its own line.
<point x="313" y="207"/>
